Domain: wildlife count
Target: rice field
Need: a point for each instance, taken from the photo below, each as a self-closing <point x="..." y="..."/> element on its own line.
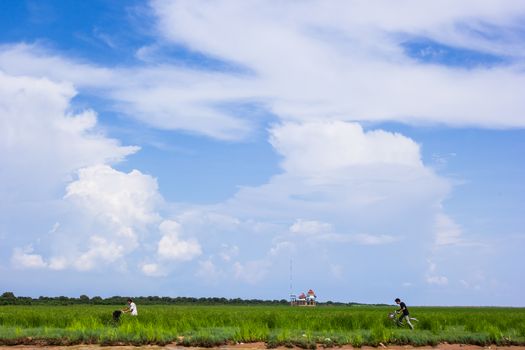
<point x="275" y="325"/>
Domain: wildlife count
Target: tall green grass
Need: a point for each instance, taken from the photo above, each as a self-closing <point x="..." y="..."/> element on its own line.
<point x="275" y="325"/>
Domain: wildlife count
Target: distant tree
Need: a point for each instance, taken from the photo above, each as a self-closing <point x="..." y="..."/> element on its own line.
<point x="8" y="295"/>
<point x="84" y="298"/>
<point x="96" y="300"/>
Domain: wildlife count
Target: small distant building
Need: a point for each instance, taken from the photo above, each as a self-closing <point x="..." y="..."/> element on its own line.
<point x="311" y="298"/>
<point x="308" y="299"/>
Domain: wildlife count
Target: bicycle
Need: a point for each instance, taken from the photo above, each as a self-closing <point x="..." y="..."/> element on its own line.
<point x="393" y="317"/>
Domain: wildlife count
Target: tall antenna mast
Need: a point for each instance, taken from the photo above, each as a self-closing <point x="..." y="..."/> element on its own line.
<point x="291" y="289"/>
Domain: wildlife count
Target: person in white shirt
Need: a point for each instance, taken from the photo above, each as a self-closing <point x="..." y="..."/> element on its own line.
<point x="132" y="308"/>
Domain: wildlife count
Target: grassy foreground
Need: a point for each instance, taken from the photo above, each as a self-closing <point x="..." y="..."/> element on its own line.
<point x="275" y="325"/>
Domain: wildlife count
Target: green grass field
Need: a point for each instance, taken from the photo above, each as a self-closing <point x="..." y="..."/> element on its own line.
<point x="274" y="325"/>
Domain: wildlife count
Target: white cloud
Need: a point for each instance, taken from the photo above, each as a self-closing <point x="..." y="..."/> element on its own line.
<point x="353" y="177"/>
<point x="281" y="247"/>
<point x="367" y="239"/>
<point x="337" y="61"/>
<point x="110" y="213"/>
<point x="251" y="272"/>
<point x="58" y="263"/>
<point x="44" y="143"/>
<point x="124" y="199"/>
<point x="363" y="189"/>
<point x="228" y="252"/>
<point x="433" y="277"/>
<point x="162" y="96"/>
<point x="437" y="280"/>
<point x="113" y="214"/>
<point x="100" y="252"/>
<point x="321" y="231"/>
<point x="105" y="214"/>
<point x="36" y="124"/>
<point x="327" y="147"/>
<point x="153" y="270"/>
<point x="209" y="273"/>
<point x="310" y="227"/>
<point x="172" y="247"/>
<point x="345" y="60"/>
<point x="25" y="259"/>
<point x="447" y="231"/>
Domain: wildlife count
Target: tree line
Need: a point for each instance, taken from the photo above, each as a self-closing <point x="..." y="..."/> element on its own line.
<point x="9" y="298"/>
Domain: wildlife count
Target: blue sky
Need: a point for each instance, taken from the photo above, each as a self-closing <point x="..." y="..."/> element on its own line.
<point x="195" y="148"/>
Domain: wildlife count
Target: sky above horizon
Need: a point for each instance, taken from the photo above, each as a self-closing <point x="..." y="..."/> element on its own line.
<point x="197" y="148"/>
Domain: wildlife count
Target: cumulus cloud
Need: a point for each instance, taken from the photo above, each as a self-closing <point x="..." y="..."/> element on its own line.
<point x="100" y="252"/>
<point x="124" y="199"/>
<point x="353" y="174"/>
<point x="328" y="147"/>
<point x="353" y="188"/>
<point x="112" y="215"/>
<point x="172" y="247"/>
<point x="36" y="124"/>
<point x="122" y="213"/>
<point x="338" y="64"/>
<point x="104" y="215"/>
<point x="25" y="258"/>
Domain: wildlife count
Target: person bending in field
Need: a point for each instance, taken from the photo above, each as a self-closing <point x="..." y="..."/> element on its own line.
<point x="131" y="309"/>
<point x="404" y="313"/>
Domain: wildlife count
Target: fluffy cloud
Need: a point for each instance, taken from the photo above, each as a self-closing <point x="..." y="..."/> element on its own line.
<point x="346" y="60"/>
<point x="110" y="213"/>
<point x="125" y="200"/>
<point x="353" y="175"/>
<point x="361" y="195"/>
<point x="24" y="258"/>
<point x="172" y="247"/>
<point x="36" y="124"/>
<point x="100" y="252"/>
<point x="105" y="214"/>
<point x="322" y="147"/>
<point x="162" y="96"/>
<point x="120" y="214"/>
<point x="338" y="61"/>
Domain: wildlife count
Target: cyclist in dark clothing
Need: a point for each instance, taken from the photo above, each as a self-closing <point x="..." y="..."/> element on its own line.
<point x="404" y="313"/>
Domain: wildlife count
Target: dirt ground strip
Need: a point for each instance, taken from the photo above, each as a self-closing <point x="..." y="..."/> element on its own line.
<point x="256" y="346"/>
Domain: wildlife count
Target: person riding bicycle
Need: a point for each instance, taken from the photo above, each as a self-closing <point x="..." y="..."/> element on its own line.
<point x="404" y="313"/>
